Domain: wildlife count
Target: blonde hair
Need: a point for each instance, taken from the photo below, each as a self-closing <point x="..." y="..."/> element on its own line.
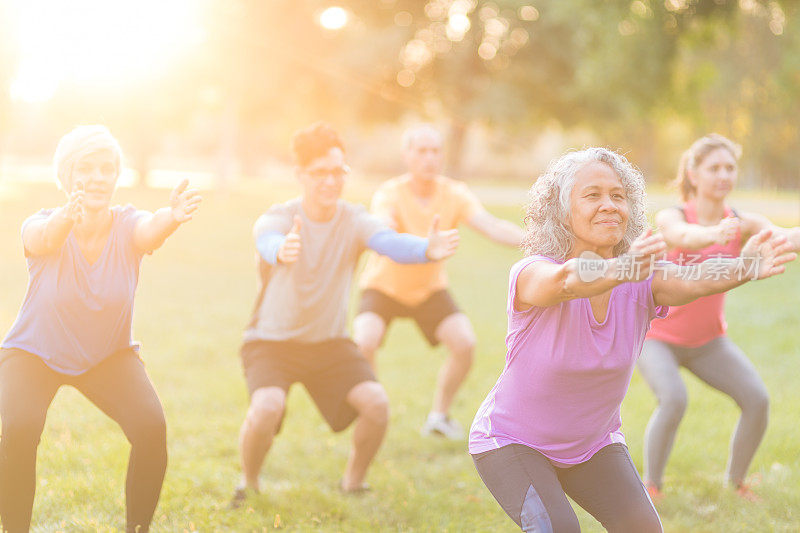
<point x="547" y="215"/>
<point x="77" y="144"/>
<point x="692" y="158"/>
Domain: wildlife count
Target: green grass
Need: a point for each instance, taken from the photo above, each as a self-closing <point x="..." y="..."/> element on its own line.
<point x="194" y="298"/>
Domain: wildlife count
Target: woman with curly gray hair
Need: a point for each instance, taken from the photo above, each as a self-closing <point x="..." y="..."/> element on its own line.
<point x="579" y="306"/>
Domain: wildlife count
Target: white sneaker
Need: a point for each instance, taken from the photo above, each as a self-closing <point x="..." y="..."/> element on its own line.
<point x="441" y="425"/>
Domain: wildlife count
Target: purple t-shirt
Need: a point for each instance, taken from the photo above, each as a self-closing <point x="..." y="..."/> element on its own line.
<point x="76" y="314"/>
<point x="566" y="374"/>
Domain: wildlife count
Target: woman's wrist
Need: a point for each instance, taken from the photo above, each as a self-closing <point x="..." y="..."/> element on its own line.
<point x="62" y="217"/>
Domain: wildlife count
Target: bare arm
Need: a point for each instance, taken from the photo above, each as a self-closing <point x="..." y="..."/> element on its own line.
<point x="762" y="257"/>
<point x="45" y="236"/>
<point x="681" y="234"/>
<point x="752" y="223"/>
<point x="496" y="229"/>
<point x="151" y="231"/>
<point x="544" y="284"/>
<point x="382" y="208"/>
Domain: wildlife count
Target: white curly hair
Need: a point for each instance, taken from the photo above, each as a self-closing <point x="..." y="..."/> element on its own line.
<point x="547" y="215"/>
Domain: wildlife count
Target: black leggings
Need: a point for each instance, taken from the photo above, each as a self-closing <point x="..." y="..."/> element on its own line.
<point x="533" y="492"/>
<point x="120" y="387"/>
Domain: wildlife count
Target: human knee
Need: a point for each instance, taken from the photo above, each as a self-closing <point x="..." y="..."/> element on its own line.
<point x="466" y="345"/>
<point x="560" y="523"/>
<point x="373" y="404"/>
<point x="673" y="405"/>
<point x="369" y="346"/>
<point x="463" y="348"/>
<point x="761" y="401"/>
<point x="755" y="401"/>
<point x="368" y="342"/>
<point x="265" y="413"/>
<point x="368" y="330"/>
<point x="457" y="334"/>
<point x="641" y="518"/>
<point x="149" y="430"/>
<point x="534" y="518"/>
<point x="551" y="522"/>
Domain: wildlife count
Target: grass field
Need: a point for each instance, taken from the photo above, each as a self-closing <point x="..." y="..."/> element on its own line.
<point x="194" y="298"/>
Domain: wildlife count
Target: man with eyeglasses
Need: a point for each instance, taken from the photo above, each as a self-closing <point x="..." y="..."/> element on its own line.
<point x="409" y="203"/>
<point x="308" y="249"/>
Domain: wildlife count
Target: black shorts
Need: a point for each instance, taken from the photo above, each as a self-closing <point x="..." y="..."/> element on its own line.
<point x="428" y="315"/>
<point x="329" y="370"/>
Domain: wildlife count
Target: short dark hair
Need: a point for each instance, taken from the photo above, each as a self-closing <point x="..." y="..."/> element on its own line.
<point x="315" y="141"/>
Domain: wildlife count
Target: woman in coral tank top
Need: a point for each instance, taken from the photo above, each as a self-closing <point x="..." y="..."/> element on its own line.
<point x="693" y="335"/>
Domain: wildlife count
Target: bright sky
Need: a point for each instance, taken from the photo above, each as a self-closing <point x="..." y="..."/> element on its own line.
<point x="99" y="42"/>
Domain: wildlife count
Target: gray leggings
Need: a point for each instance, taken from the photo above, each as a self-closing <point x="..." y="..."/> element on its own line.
<point x="533" y="492"/>
<point x="721" y="364"/>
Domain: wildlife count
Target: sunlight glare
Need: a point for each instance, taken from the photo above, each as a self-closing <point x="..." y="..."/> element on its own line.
<point x="99" y="42"/>
<point x="35" y="82"/>
<point x="333" y="18"/>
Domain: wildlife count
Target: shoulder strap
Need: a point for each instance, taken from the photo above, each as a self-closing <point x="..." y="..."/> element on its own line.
<point x="682" y="210"/>
<point x="686" y="214"/>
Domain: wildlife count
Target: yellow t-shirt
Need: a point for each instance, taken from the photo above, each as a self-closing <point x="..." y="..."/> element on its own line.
<point x="394" y="200"/>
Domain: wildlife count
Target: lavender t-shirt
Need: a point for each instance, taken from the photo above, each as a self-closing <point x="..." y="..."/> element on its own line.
<point x="76" y="314"/>
<point x="566" y="374"/>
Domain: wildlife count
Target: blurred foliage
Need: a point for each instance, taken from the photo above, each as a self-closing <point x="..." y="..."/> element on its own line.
<point x="7" y="67"/>
<point x="644" y="76"/>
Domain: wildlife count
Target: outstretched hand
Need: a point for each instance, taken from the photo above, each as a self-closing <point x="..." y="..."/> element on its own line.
<point x="645" y="250"/>
<point x="727" y="230"/>
<point x="289" y="251"/>
<point x="75" y="210"/>
<point x="765" y="256"/>
<point x="183" y="203"/>
<point x="441" y="244"/>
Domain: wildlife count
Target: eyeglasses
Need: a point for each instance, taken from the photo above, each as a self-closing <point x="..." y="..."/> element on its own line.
<point x="319" y="174"/>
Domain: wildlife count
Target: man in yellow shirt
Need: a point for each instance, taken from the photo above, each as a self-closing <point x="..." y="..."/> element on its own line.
<point x="409" y="203"/>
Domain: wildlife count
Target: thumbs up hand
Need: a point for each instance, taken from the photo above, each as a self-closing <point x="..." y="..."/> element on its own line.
<point x="441" y="244"/>
<point x="289" y="251"/>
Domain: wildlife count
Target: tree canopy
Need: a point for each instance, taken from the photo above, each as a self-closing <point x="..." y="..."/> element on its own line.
<point x="646" y="76"/>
